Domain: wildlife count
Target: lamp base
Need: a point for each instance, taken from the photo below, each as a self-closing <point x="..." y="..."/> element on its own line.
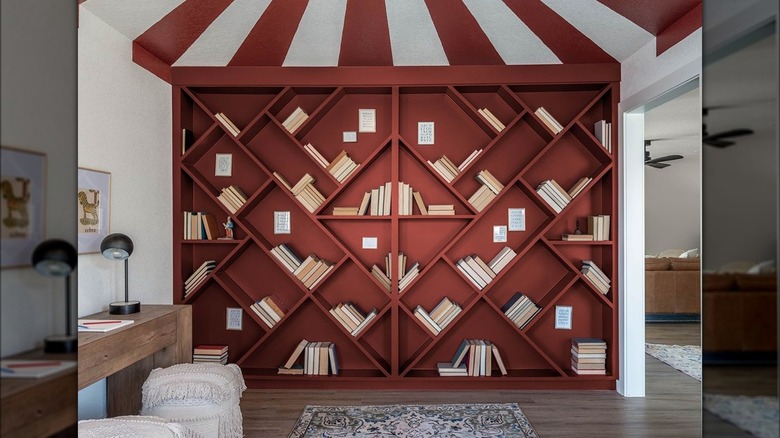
<point x="60" y="344"/>
<point x="124" y="307"/>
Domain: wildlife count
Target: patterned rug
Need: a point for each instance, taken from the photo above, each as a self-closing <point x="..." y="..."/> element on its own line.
<point x="685" y="358"/>
<point x="757" y="415"/>
<point x="414" y="421"/>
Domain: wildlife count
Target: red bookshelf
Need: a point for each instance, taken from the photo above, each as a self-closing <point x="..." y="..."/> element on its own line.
<point x="396" y="350"/>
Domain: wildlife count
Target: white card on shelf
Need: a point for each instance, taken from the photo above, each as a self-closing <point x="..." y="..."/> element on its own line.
<point x="349" y="136"/>
<point x="424" y="132"/>
<point x="370" y="243"/>
<point x="516" y="219"/>
<point x="234" y="318"/>
<point x="367" y="120"/>
<point x="499" y="233"/>
<point x="563" y="317"/>
<point x="223" y="165"/>
<point x="281" y="222"/>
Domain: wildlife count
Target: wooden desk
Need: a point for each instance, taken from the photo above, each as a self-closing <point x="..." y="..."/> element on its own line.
<point x="39" y="407"/>
<point x="161" y="336"/>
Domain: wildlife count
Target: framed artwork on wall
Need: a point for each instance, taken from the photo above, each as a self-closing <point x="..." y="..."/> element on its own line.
<point x="94" y="202"/>
<point x="22" y="214"/>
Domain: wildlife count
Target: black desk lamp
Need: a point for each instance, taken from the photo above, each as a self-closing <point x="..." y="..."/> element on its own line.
<point x="57" y="258"/>
<point x="117" y="246"/>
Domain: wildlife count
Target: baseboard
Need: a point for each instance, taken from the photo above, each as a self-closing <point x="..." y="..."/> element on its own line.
<point x="672" y="317"/>
<point x="751" y="358"/>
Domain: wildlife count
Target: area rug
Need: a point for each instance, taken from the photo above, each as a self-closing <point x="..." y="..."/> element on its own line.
<point x="757" y="415"/>
<point x="414" y="421"/>
<point x="684" y="358"/>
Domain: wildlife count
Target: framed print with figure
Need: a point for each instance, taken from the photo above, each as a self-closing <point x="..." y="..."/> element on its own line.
<point x="94" y="202"/>
<point x="22" y="214"/>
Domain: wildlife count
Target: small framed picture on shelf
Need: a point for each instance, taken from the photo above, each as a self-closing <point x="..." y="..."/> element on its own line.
<point x="223" y="165"/>
<point x="424" y="132"/>
<point x="499" y="233"/>
<point x="234" y="318"/>
<point x="94" y="202"/>
<point x="23" y="182"/>
<point x="281" y="222"/>
<point x="516" y="219"/>
<point x="563" y="317"/>
<point x="367" y="120"/>
<point x="349" y="136"/>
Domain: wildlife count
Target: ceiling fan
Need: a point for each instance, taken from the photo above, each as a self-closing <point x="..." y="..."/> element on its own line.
<point x="720" y="140"/>
<point x="660" y="162"/>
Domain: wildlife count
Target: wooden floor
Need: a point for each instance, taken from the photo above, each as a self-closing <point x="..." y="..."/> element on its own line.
<point x="672" y="406"/>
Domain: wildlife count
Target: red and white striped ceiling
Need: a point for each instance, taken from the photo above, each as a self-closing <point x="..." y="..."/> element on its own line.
<point x="393" y="32"/>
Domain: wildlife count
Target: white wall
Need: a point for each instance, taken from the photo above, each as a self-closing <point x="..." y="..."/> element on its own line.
<point x="124" y="122"/>
<point x="672" y="206"/>
<point x="38" y="100"/>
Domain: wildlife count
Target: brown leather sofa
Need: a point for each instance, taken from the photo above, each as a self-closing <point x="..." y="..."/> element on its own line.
<point x="672" y="285"/>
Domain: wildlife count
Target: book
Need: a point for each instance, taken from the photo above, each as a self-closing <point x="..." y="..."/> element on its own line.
<point x="364" y="204"/>
<point x="577" y="237"/>
<point x="333" y="359"/>
<point x="297" y="121"/>
<point x="471" y="274"/>
<point x="186" y="139"/>
<point x="491" y="119"/>
<point x="472" y="262"/>
<point x="228" y="124"/>
<point x="501" y="259"/>
<point x="469" y="159"/>
<point x="578" y="186"/>
<point x="499" y="361"/>
<point x="293" y="115"/>
<point x="423" y="316"/>
<point x="447" y="369"/>
<point x="33" y="369"/>
<point x="460" y="354"/>
<point x="316" y="155"/>
<point x="295" y="354"/>
<point x="440" y="309"/>
<point x="210" y="349"/>
<point x="448" y="317"/>
<point x="420" y="204"/>
<point x="205" y="266"/>
<point x="102" y="325"/>
<point x="387" y="195"/>
<point x="296" y="370"/>
<point x="370" y="317"/>
<point x="549" y="200"/>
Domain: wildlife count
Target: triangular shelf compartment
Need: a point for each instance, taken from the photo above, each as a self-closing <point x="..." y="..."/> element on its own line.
<point x="193" y="118"/>
<point x="596" y="199"/>
<point x="350" y="284"/>
<point x="456" y="133"/>
<point x="198" y="200"/>
<point x="312" y="325"/>
<point x="481" y="322"/>
<point x="369" y="175"/>
<point x="420" y="177"/>
<point x="240" y="104"/>
<point x="421" y="241"/>
<point x="211" y="328"/>
<point x="600" y="110"/>
<point x="590" y="319"/>
<point x="439" y="281"/>
<point x="193" y="256"/>
<point x="496" y="99"/>
<point x="378" y="338"/>
<point x="412" y="339"/>
<point x="601" y="255"/>
<point x="563" y="102"/>
<point x="309" y="99"/>
<point x="351" y="234"/>
<point x="245" y="174"/>
<point x="327" y="134"/>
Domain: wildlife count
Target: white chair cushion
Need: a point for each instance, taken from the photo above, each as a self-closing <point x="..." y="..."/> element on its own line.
<point x="134" y="426"/>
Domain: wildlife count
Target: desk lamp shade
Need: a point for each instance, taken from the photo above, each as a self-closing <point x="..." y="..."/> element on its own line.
<point x="118" y="246"/>
<point x="57" y="258"/>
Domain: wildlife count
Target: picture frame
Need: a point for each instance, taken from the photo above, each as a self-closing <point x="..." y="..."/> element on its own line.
<point x="23" y="211"/>
<point x="223" y="165"/>
<point x="94" y="209"/>
<point x="563" y="317"/>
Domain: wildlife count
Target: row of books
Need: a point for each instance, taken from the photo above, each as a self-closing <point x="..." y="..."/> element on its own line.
<point x="480" y="353"/>
<point x="197" y="277"/>
<point x="448" y="170"/>
<point x="341" y="167"/>
<point x="588" y="356"/>
<point x="228" y="124"/>
<point x="598" y="226"/>
<point x="376" y="202"/>
<point x="489" y="189"/>
<point x="319" y="359"/>
<point x="309" y="271"/>
<point x="304" y="191"/>
<point x="295" y="120"/>
<point x="481" y="273"/>
<point x="603" y="132"/>
<point x="405" y="275"/>
<point x="548" y="120"/>
<point x="200" y="226"/>
<point x="492" y="119"/>
<point x="210" y="354"/>
<point x="558" y="198"/>
<point x="520" y="309"/>
<point x="596" y="276"/>
<point x="440" y="316"/>
<point x="432" y="209"/>
<point x="270" y="310"/>
<point x="352" y="318"/>
<point x="232" y="197"/>
<point x="406" y="199"/>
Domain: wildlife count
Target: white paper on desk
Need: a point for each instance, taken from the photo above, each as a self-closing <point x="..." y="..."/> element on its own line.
<point x="33" y="369"/>
<point x="101" y="326"/>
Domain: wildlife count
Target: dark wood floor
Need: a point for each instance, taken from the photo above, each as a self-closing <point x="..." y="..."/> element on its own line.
<point x="672" y="406"/>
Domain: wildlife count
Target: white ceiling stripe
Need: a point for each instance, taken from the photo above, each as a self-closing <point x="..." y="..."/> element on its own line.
<point x="131" y="18"/>
<point x="413" y="37"/>
<point x="514" y="41"/>
<point x="217" y="45"/>
<point x="614" y="33"/>
<point x="317" y="42"/>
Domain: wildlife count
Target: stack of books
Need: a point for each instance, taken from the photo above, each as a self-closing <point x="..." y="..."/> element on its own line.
<point x="578" y="186"/>
<point x="476" y="270"/>
<point x="210" y="354"/>
<point x="603" y="132"/>
<point x="318" y="157"/>
<point x="345" y="211"/>
<point x="304" y="191"/>
<point x="577" y="237"/>
<point x="520" y="309"/>
<point x="383" y="276"/>
<point x="295" y="120"/>
<point x="588" y="356"/>
<point x="487" y="191"/>
<point x="352" y="318"/>
<point x="441" y="210"/>
<point x="440" y="316"/>
<point x="312" y="270"/>
<point x="228" y="124"/>
<point x="596" y="276"/>
<point x="287" y="256"/>
<point x="342" y="166"/>
<point x="446" y="168"/>
<point x="270" y="310"/>
<point x="232" y="197"/>
<point x="598" y="226"/>
<point x="319" y="359"/>
<point x="493" y="120"/>
<point x="469" y="159"/>
<point x="200" y="226"/>
<point x="198" y="276"/>
<point x="554" y="195"/>
<point x="502" y="259"/>
<point x="548" y="120"/>
<point x="474" y="357"/>
<point x="406" y="275"/>
<point x="406" y="199"/>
